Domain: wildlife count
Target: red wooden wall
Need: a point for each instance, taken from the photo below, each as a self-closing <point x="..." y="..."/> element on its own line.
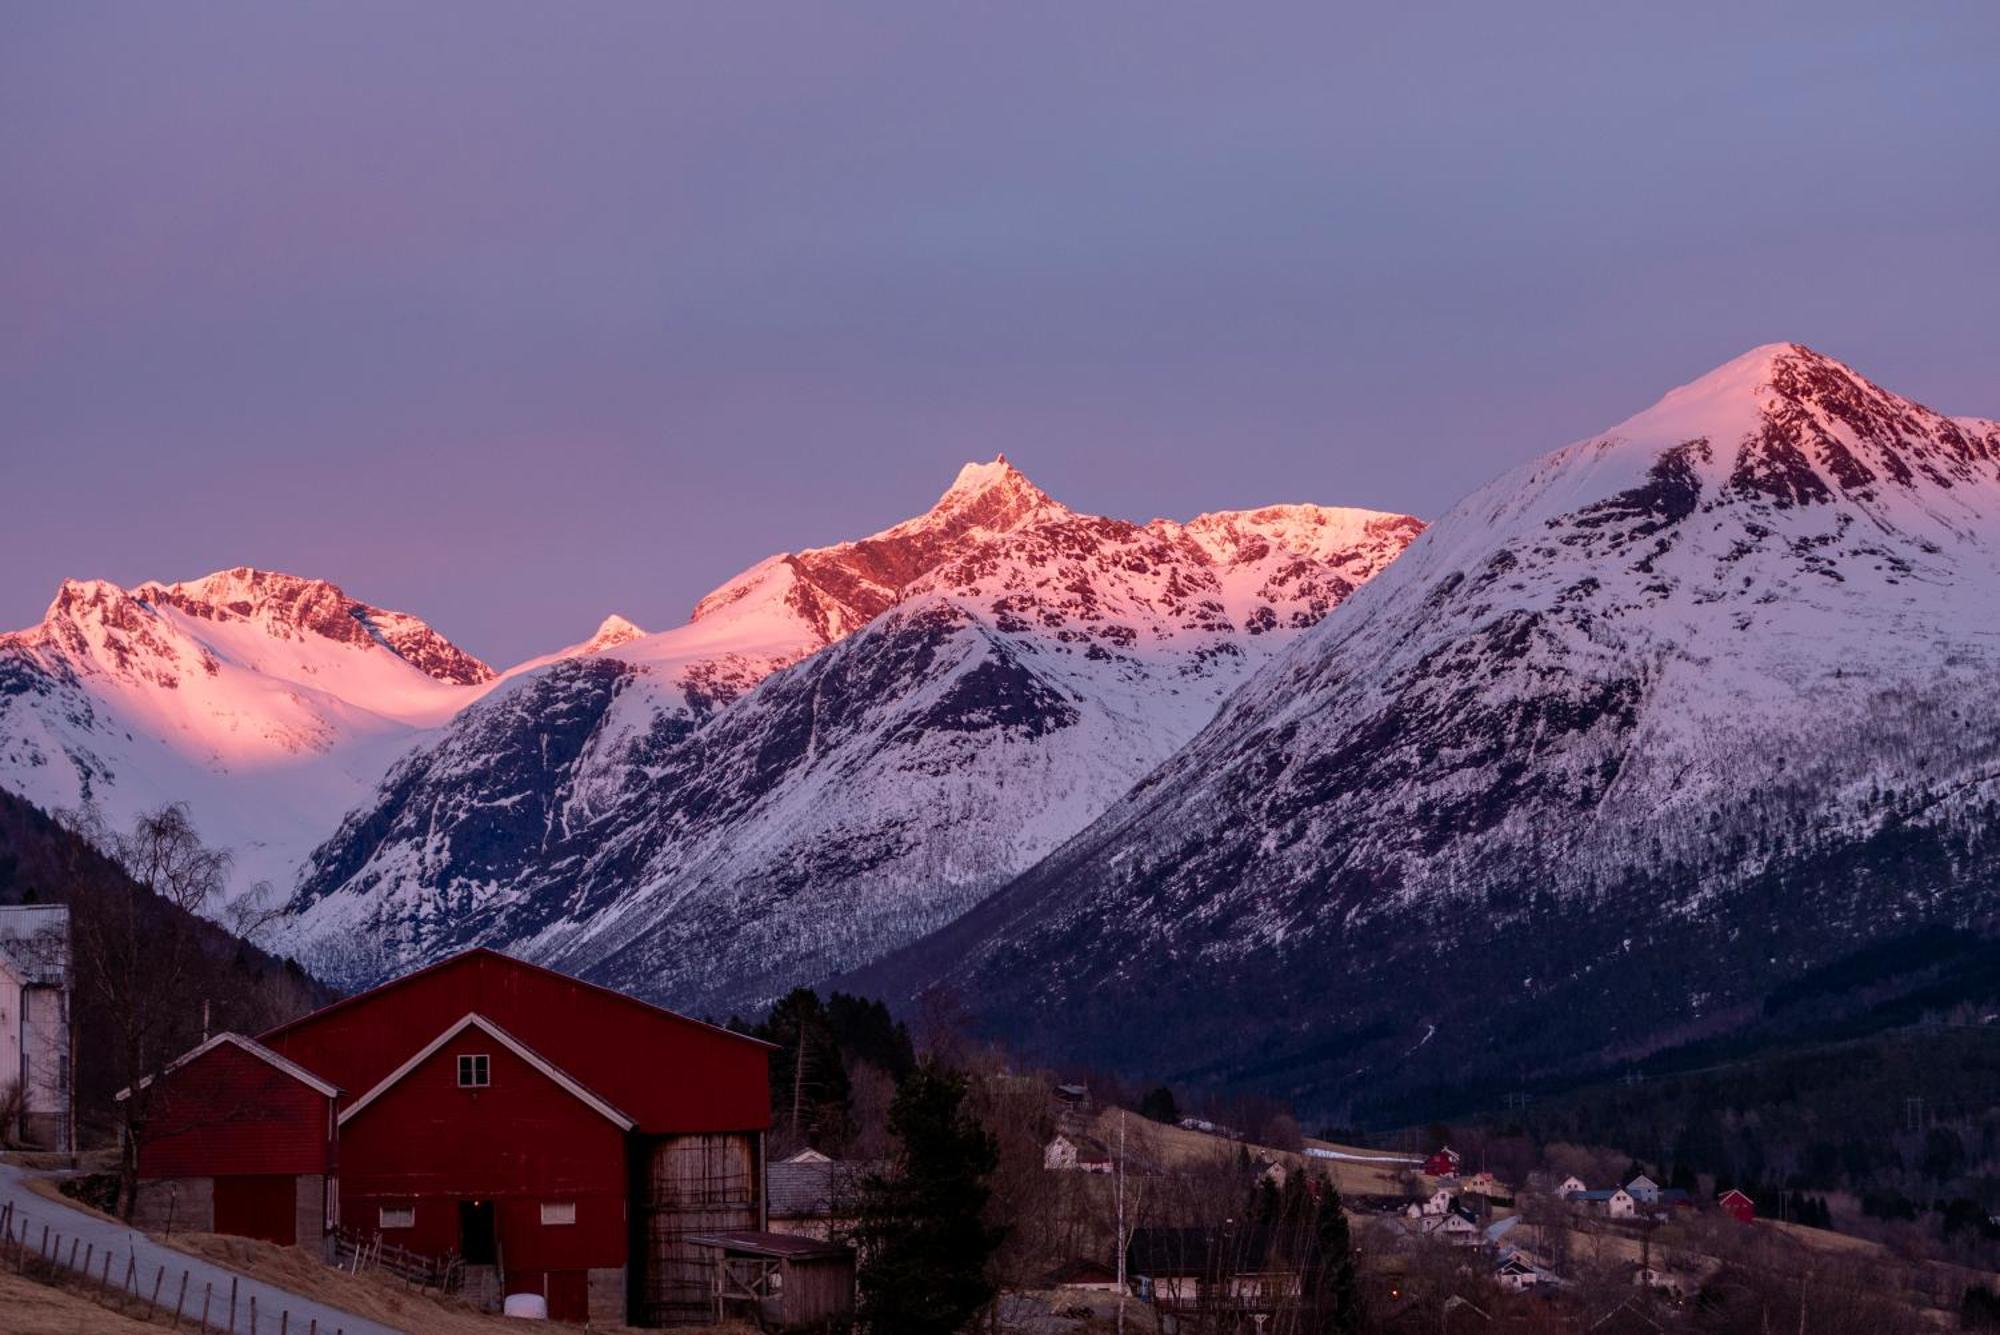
<point x="226" y="1113"/>
<point x="520" y="1141"/>
<point x="669" y="1073"/>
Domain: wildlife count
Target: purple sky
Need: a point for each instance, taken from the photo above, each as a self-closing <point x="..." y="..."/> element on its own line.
<point x="515" y="315"/>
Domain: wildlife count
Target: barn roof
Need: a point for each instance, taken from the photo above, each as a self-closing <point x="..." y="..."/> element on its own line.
<point x="249" y="1045"/>
<point x="666" y="1073"/>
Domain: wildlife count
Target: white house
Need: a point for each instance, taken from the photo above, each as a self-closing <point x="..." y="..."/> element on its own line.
<point x="1076" y="1154"/>
<point x="1484" y="1183"/>
<point x="1616" y="1203"/>
<point x="1571" y="1186"/>
<point x="1437" y="1203"/>
<point x="1452" y="1227"/>
<point x="35" y="1029"/>
<point x="1643" y="1190"/>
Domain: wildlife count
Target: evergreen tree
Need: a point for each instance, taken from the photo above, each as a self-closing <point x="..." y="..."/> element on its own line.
<point x="1333" y="1287"/>
<point x="809" y="1086"/>
<point x="1159" y="1104"/>
<point x="921" y="1229"/>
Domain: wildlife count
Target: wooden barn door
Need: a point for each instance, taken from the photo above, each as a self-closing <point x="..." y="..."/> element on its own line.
<point x="696" y="1184"/>
<point x="258" y="1207"/>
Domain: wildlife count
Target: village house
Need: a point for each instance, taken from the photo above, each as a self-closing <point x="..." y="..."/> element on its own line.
<point x="1615" y="1203"/>
<point x="1454" y="1226"/>
<point x="1437" y="1203"/>
<point x="1442" y="1162"/>
<point x="1737" y="1206"/>
<point x="1072" y="1153"/>
<point x="1272" y="1171"/>
<point x="1643" y="1190"/>
<point x="37" y="1086"/>
<point x="553" y="1137"/>
<point x="1570" y="1186"/>
<point x="1483" y="1184"/>
<point x="811" y="1195"/>
<point x="1182" y="1269"/>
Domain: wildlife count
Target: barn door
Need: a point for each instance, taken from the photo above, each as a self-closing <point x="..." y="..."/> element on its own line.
<point x="258" y="1207"/>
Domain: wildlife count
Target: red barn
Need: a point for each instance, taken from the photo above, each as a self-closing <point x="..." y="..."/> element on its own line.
<point x="1442" y="1163"/>
<point x="1737" y="1206"/>
<point x="238" y="1140"/>
<point x="558" y="1137"/>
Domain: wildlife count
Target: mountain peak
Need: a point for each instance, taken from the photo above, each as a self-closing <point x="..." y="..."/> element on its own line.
<point x="613" y="630"/>
<point x="995" y="496"/>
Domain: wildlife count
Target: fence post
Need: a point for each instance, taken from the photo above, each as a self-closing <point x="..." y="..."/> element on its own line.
<point x="104" y="1281"/>
<point x="232" y="1305"/>
<point x="131" y="1273"/>
<point x="253" y="1314"/>
<point x="153" y="1303"/>
<point x="181" y="1301"/>
<point x="72" y="1254"/>
<point x="207" y="1292"/>
<point x="42" y="1248"/>
<point x="89" y="1255"/>
<point x="285" y="1321"/>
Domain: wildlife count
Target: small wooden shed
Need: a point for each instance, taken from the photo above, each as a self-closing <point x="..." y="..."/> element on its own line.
<point x="779" y="1281"/>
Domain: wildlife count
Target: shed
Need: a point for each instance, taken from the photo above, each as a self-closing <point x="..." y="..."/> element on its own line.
<point x="779" y="1281"/>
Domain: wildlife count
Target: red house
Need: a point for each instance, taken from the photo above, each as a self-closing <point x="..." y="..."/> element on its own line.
<point x="558" y="1137"/>
<point x="1442" y="1163"/>
<point x="1737" y="1206"/>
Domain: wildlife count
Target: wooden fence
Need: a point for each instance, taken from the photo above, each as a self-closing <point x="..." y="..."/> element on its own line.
<point x="41" y="1256"/>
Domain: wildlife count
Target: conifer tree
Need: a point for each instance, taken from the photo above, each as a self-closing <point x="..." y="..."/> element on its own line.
<point x="922" y="1232"/>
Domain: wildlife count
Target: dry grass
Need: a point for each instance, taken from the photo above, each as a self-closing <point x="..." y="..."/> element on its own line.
<point x="371" y="1294"/>
<point x="1175" y="1145"/>
<point x="28" y="1308"/>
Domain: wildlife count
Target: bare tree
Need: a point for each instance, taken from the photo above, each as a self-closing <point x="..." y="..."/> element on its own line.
<point x="140" y="951"/>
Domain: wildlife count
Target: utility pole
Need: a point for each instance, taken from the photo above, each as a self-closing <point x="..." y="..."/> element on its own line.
<point x="1121" y="1221"/>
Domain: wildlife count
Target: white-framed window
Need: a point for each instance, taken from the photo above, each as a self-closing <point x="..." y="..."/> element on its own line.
<point x="475" y="1070"/>
<point x="558" y="1212"/>
<point x="396" y="1216"/>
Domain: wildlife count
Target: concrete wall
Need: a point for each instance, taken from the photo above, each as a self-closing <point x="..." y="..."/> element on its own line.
<point x="309" y="1196"/>
<point x="186" y="1204"/>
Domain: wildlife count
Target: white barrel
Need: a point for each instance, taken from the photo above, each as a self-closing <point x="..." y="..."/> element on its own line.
<point x="528" y="1306"/>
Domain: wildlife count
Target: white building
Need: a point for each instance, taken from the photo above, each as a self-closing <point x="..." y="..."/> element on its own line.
<point x="35" y="1025"/>
<point x="1571" y="1186"/>
<point x="1643" y="1190"/>
<point x="1076" y="1154"/>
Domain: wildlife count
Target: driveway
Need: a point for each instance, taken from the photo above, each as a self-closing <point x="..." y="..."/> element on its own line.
<point x="33" y="1212"/>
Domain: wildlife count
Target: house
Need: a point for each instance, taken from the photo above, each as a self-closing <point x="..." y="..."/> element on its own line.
<point x="1437" y="1203"/>
<point x="35" y="1029"/>
<point x="1571" y="1186"/>
<point x="1517" y="1270"/>
<point x="1083" y="1276"/>
<point x="1484" y="1184"/>
<point x="1454" y="1226"/>
<point x="811" y="1195"/>
<point x="1244" y="1267"/>
<point x="1737" y="1206"/>
<point x="1272" y="1171"/>
<point x="555" y="1137"/>
<point x="1617" y="1203"/>
<point x="1643" y="1190"/>
<point x="1442" y="1162"/>
<point x="1073" y="1153"/>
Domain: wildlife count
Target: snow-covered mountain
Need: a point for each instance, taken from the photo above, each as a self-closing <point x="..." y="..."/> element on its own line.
<point x="1633" y="732"/>
<point x="843" y="749"/>
<point x="270" y="704"/>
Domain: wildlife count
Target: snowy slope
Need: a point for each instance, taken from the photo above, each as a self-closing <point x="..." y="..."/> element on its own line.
<point x="268" y="703"/>
<point x="1632" y="731"/>
<point x="963" y="692"/>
